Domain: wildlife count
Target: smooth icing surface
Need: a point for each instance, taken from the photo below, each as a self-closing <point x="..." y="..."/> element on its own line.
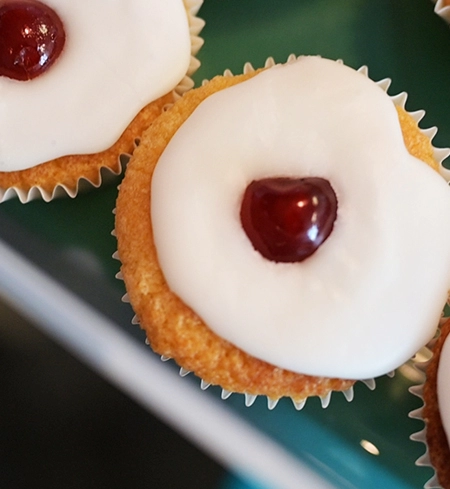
<point x="372" y="294"/>
<point x="443" y="383"/>
<point x="119" y="56"/>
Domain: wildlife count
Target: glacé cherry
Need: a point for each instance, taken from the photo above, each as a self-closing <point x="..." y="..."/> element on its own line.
<point x="287" y="219"/>
<point x="32" y="37"/>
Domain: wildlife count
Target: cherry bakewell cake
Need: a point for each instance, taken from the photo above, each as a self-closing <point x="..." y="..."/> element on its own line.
<point x="285" y="232"/>
<point x="79" y="84"/>
<point x="435" y="412"/>
<point x="442" y="8"/>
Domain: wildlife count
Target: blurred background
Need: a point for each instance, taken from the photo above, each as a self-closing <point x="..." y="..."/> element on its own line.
<point x="62" y="426"/>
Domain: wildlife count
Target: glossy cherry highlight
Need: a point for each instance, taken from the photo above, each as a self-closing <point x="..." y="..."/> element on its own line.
<point x="287" y="219"/>
<point x="32" y="37"/>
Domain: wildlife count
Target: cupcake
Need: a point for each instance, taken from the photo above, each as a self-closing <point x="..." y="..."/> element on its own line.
<point x="442" y="8"/>
<point x="274" y="231"/>
<point x="436" y="411"/>
<point x="79" y="85"/>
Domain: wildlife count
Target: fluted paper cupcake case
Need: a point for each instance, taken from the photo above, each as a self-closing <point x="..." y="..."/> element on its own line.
<point x="442" y="9"/>
<point x="105" y="174"/>
<point x="421" y="435"/>
<point x="439" y="155"/>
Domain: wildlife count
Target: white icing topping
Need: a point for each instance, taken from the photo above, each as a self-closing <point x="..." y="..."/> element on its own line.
<point x="443" y="383"/>
<point x="372" y="294"/>
<point x="119" y="56"/>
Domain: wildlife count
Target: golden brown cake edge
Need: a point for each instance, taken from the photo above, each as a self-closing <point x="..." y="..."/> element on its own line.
<point x="438" y="447"/>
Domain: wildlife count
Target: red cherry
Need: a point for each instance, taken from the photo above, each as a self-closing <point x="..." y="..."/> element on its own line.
<point x="31" y="38"/>
<point x="287" y="219"/>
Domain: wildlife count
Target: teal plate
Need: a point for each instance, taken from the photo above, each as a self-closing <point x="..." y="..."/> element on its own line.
<point x="360" y="444"/>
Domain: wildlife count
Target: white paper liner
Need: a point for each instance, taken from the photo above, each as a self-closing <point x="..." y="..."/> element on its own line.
<point x="442" y="10"/>
<point x="421" y="436"/>
<point x="107" y="175"/>
<point x="439" y="155"/>
<point x="421" y="363"/>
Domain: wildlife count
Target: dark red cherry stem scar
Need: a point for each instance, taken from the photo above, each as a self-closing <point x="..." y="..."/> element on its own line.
<point x="31" y="38"/>
<point x="287" y="219"/>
